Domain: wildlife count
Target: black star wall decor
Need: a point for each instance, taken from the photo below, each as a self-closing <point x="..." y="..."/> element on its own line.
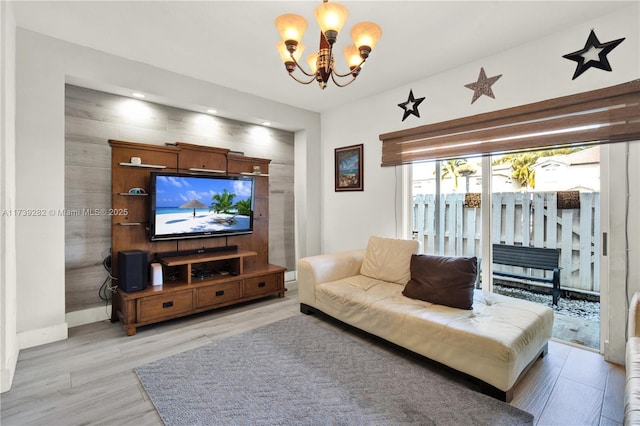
<point x="483" y="85"/>
<point x="586" y="59"/>
<point x="411" y="106"/>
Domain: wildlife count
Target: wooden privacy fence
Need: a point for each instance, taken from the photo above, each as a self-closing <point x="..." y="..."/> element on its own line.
<point x="529" y="218"/>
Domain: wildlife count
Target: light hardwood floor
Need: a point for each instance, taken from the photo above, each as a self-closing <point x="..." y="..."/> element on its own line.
<point x="89" y="378"/>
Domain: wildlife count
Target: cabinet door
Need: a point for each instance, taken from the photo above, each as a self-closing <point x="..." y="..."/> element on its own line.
<point x="200" y="160"/>
<point x="261" y="207"/>
<point x="217" y="294"/>
<point x="238" y="164"/>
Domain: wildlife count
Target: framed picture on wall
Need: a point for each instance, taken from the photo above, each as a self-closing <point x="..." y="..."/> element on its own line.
<point x="349" y="168"/>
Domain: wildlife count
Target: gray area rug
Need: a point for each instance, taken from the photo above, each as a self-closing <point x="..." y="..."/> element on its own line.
<point x="298" y="372"/>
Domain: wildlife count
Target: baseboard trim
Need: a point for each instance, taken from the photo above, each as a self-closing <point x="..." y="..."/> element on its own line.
<point x="290" y="276"/>
<point x="42" y="336"/>
<point x="6" y="374"/>
<point x="88" y="316"/>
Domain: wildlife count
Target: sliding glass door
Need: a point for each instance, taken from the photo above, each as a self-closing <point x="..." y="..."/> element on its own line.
<point x="551" y="200"/>
<point x="543" y="199"/>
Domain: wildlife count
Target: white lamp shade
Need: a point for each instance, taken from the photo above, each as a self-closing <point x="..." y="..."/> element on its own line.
<point x="312" y="60"/>
<point x="366" y="34"/>
<point x="284" y="53"/>
<point x="291" y="27"/>
<point x="331" y="16"/>
<point x="352" y="55"/>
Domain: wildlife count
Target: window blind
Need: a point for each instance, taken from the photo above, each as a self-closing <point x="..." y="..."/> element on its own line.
<point x="599" y="116"/>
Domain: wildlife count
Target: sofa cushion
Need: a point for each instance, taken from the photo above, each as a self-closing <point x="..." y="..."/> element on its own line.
<point x="388" y="259"/>
<point x="442" y="280"/>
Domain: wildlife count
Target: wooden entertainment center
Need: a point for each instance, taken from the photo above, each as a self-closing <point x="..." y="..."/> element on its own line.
<point x="194" y="282"/>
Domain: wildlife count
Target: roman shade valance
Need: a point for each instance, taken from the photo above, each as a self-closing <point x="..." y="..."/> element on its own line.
<point x="599" y="116"/>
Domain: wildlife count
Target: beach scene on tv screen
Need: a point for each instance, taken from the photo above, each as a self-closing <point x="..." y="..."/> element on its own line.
<point x="186" y="205"/>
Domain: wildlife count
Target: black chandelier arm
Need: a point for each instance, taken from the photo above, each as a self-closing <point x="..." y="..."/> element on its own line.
<point x="302" y="81"/>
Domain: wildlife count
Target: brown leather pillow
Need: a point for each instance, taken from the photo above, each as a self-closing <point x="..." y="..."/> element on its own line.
<point x="442" y="280"/>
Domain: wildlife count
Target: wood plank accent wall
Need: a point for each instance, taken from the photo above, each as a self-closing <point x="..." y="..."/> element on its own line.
<point x="93" y="117"/>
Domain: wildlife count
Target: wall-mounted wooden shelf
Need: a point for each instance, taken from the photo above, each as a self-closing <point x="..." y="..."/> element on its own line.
<point x="144" y="166"/>
<point x="254" y="174"/>
<point x="196" y="169"/>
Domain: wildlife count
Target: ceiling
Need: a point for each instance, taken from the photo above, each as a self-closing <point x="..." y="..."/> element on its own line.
<point x="232" y="43"/>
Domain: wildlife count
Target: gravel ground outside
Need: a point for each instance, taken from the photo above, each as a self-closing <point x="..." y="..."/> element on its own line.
<point x="576" y="321"/>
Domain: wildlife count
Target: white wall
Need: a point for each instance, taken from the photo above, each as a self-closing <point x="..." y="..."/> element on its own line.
<point x="43" y="66"/>
<point x="326" y="220"/>
<point x="8" y="337"/>
<point x="533" y="72"/>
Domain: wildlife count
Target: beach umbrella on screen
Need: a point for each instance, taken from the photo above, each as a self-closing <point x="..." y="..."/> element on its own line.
<point x="193" y="204"/>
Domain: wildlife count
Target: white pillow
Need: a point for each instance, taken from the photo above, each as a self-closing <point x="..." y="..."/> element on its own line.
<point x="388" y="259"/>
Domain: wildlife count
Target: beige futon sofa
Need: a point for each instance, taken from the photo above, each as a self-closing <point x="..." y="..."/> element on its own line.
<point x="494" y="341"/>
<point x="632" y="365"/>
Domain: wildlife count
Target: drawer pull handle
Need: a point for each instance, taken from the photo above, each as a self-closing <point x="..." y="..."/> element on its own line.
<point x="167" y="304"/>
<point x="219" y="292"/>
<point x="262" y="284"/>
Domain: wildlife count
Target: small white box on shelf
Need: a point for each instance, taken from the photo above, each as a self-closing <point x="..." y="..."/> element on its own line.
<point x="156" y="274"/>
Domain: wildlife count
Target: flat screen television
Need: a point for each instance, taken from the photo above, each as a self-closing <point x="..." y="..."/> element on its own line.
<point x="199" y="206"/>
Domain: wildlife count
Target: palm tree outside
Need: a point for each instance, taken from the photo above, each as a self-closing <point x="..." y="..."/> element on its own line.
<point x="451" y="167"/>
<point x="522" y="164"/>
<point x="457" y="168"/>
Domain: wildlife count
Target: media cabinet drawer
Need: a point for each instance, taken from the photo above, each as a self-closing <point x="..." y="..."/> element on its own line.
<point x="259" y="285"/>
<point x="219" y="293"/>
<point x="166" y="305"/>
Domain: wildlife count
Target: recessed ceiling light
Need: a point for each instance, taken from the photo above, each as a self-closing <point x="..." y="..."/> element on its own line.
<point x="212" y="111"/>
<point x="266" y="123"/>
<point x="137" y="95"/>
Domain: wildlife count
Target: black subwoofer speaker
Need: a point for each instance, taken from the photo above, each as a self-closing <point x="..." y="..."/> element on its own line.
<point x="133" y="270"/>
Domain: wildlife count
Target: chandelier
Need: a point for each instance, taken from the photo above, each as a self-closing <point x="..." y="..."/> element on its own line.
<point x="331" y="18"/>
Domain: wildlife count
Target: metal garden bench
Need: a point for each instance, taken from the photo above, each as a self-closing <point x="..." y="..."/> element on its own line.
<point x="546" y="259"/>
